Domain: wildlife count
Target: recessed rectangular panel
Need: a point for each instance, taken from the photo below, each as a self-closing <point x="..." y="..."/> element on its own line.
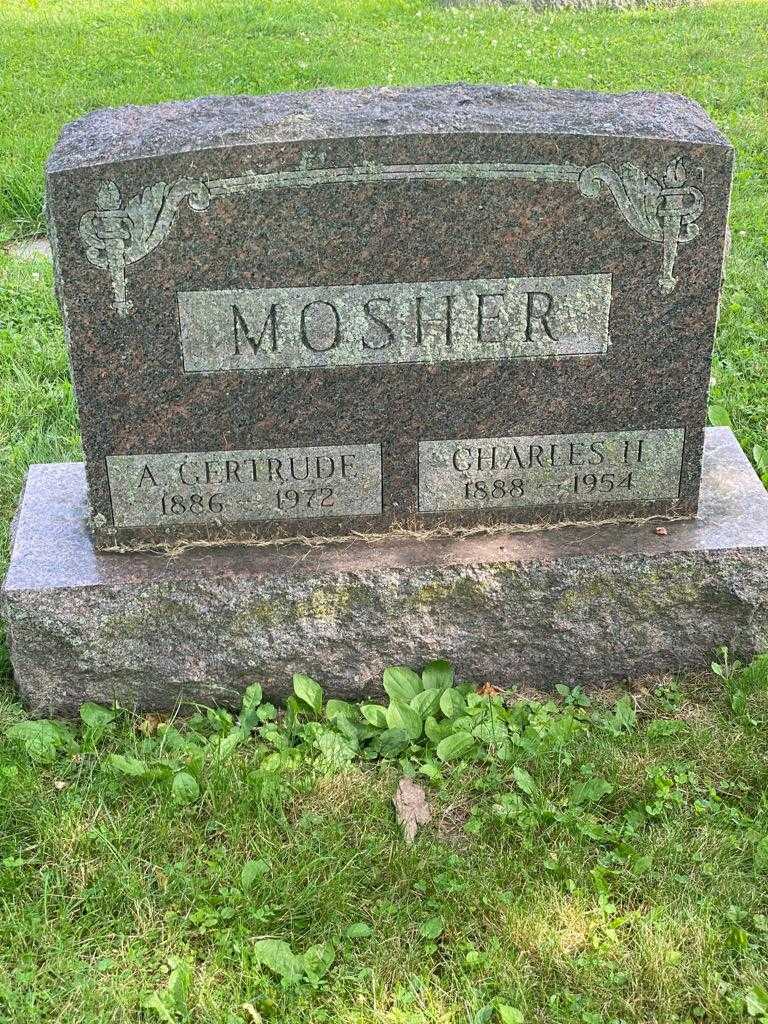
<point x="228" y="487"/>
<point x="371" y="324"/>
<point x="550" y="469"/>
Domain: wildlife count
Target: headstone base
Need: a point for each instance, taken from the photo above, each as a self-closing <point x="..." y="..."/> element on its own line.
<point x="584" y="604"/>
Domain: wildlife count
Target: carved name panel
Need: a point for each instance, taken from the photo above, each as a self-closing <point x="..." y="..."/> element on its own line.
<point x="377" y="273"/>
<point x="428" y="322"/>
<point x="216" y="488"/>
<point x="550" y="469"/>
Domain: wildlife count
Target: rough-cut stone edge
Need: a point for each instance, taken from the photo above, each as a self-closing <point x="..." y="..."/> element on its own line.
<point x="116" y="134"/>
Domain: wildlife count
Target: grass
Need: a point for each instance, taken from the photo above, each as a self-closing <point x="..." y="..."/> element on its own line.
<point x="106" y="884"/>
<point x="643" y="900"/>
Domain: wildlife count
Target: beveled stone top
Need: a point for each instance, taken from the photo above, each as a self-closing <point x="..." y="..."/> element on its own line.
<point x="142" y="132"/>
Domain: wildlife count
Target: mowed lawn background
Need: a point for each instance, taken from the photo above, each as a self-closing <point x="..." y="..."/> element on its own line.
<point x="107" y="886"/>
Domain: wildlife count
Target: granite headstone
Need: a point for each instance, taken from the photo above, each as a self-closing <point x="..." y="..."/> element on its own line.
<point x="340" y="312"/>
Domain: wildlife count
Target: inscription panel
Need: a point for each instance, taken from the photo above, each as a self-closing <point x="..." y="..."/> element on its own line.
<point x="429" y="322"/>
<point x="550" y="469"/>
<point x="241" y="486"/>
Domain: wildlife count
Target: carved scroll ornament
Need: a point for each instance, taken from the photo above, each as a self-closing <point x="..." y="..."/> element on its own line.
<point x="662" y="208"/>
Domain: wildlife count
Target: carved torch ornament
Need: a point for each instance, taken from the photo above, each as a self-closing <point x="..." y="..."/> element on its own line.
<point x="661" y="207"/>
<point x="114" y="237"/>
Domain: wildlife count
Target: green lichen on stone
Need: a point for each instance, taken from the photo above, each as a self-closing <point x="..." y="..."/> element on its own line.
<point x="128" y="623"/>
<point x="262" y="613"/>
<point x="430" y="593"/>
<point x="463" y="589"/>
<point x="323" y="603"/>
<point x="583" y="595"/>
